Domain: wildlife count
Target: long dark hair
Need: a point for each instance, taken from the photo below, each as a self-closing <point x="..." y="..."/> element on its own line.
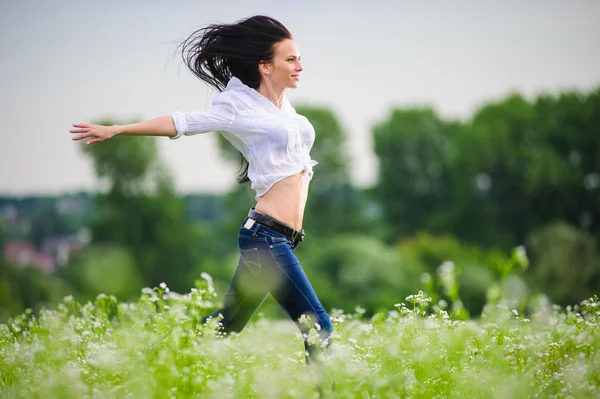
<point x="219" y="51"/>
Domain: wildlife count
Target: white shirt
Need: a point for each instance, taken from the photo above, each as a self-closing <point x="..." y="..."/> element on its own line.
<point x="275" y="142"/>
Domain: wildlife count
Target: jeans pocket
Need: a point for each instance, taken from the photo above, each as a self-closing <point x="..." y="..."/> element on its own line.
<point x="277" y="241"/>
<point x="281" y="248"/>
<point x="251" y="259"/>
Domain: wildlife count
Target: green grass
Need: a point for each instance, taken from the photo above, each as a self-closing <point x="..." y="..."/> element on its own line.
<point x="155" y="348"/>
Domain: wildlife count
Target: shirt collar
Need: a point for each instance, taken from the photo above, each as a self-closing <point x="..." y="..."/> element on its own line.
<point x="236" y="84"/>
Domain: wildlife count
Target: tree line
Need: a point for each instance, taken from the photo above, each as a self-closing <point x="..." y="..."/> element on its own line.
<point x="518" y="177"/>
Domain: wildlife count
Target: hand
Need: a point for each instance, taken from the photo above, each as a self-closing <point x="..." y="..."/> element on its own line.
<point x="98" y="132"/>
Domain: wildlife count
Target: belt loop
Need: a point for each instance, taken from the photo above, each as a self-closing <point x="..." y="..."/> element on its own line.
<point x="261" y="216"/>
<point x="255" y="228"/>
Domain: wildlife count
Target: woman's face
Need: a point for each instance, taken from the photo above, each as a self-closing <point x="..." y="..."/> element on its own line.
<point x="285" y="69"/>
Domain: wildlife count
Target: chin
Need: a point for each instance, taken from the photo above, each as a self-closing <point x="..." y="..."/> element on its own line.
<point x="294" y="84"/>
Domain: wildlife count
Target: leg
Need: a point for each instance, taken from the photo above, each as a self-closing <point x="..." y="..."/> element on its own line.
<point x="244" y="296"/>
<point x="297" y="297"/>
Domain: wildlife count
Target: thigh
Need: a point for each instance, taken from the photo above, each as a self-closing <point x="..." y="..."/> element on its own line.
<point x="246" y="292"/>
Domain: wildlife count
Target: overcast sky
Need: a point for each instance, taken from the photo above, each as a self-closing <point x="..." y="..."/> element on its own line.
<point x="66" y="61"/>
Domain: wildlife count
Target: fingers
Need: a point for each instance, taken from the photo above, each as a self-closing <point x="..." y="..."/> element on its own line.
<point x="96" y="140"/>
<point x="87" y="130"/>
<point x="82" y="128"/>
<point x="82" y="136"/>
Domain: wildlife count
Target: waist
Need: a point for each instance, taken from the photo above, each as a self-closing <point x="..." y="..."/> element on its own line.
<point x="264" y="179"/>
<point x="286" y="200"/>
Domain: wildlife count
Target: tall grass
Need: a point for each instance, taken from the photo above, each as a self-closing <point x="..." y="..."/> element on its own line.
<point x="155" y="347"/>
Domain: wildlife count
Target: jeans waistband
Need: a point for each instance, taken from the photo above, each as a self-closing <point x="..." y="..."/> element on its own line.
<point x="266" y="220"/>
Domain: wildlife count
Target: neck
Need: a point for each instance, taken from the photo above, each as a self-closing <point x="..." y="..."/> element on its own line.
<point x="272" y="92"/>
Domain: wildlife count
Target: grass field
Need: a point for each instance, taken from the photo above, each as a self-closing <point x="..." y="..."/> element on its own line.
<point x="154" y="348"/>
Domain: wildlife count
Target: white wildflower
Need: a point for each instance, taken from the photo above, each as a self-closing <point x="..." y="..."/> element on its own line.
<point x="207" y="277"/>
<point x="313" y="337"/>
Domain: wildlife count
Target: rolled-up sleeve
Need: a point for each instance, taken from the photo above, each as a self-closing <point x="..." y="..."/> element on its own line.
<point x="218" y="117"/>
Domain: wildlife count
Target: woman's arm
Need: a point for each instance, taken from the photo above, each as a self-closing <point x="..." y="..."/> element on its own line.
<point x="218" y="117"/>
<point x="161" y="126"/>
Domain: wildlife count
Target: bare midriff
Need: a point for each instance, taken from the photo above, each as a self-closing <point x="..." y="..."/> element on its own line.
<point x="286" y="199"/>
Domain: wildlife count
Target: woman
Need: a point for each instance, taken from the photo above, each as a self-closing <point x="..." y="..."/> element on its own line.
<point x="251" y="63"/>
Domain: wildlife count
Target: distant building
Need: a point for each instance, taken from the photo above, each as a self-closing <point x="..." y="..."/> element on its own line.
<point x="64" y="247"/>
<point x="69" y="204"/>
<point x="23" y="252"/>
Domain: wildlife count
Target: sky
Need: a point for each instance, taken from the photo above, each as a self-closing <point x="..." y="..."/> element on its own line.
<point x="65" y="61"/>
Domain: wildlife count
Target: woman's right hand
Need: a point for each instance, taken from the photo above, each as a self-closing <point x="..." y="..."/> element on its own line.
<point x="98" y="132"/>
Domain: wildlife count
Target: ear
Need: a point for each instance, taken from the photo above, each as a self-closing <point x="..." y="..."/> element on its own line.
<point x="265" y="68"/>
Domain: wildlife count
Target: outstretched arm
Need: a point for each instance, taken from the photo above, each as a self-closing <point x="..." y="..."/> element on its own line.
<point x="161" y="126"/>
<point x="219" y="117"/>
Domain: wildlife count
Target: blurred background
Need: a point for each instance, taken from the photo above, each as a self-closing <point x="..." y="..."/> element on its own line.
<point x="455" y="141"/>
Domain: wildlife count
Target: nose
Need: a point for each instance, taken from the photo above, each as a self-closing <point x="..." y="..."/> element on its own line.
<point x="299" y="66"/>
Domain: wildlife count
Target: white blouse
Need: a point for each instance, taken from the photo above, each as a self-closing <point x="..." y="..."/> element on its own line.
<point x="275" y="142"/>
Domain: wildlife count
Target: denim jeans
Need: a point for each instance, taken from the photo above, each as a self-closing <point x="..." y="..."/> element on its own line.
<point x="268" y="264"/>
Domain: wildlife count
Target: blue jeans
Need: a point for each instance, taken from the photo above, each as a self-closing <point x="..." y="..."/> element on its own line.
<point x="268" y="265"/>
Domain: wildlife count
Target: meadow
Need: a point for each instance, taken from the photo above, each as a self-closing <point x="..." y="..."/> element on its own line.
<point x="155" y="347"/>
<point x="520" y="171"/>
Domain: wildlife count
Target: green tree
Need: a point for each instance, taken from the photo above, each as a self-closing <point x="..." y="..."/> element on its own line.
<point x="571" y="121"/>
<point x="566" y="262"/>
<point x="140" y="211"/>
<point x="413" y="147"/>
<point x="514" y="166"/>
<point x="520" y="165"/>
<point x="498" y="160"/>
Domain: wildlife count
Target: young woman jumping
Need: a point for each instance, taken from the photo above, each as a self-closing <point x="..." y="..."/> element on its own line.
<point x="251" y="63"/>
